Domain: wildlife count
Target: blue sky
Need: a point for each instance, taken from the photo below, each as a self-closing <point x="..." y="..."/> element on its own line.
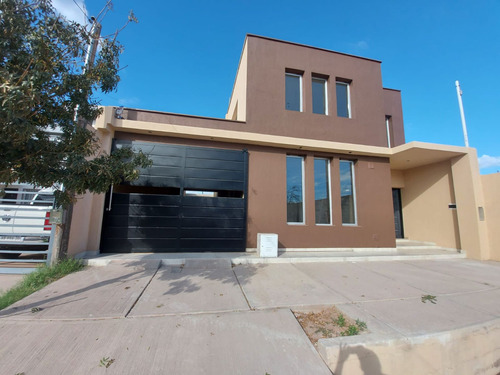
<point x="182" y="56"/>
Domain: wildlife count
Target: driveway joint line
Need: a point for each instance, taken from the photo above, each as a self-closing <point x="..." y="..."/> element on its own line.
<point x="242" y="291"/>
<point x="143" y="290"/>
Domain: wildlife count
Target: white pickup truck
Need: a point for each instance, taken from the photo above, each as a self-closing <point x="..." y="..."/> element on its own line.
<point x="24" y="215"/>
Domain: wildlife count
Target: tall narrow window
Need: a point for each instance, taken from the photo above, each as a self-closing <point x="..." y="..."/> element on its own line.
<point x="347" y="192"/>
<point x="388" y="128"/>
<point x="343" y="99"/>
<point x="295" y="189"/>
<point x="293" y="92"/>
<point x="322" y="191"/>
<point x="319" y="96"/>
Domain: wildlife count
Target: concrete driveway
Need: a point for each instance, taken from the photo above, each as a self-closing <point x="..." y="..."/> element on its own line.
<point x="210" y="317"/>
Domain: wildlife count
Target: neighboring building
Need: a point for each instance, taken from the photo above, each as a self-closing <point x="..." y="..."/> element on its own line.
<point x="312" y="148"/>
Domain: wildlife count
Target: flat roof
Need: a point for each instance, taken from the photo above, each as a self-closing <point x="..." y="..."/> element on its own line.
<point x="311" y="47"/>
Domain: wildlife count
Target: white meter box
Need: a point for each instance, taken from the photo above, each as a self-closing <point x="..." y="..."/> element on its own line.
<point x="267" y="245"/>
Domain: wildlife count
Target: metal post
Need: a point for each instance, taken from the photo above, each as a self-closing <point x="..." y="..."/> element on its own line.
<point x="464" y="126"/>
<point x="59" y="246"/>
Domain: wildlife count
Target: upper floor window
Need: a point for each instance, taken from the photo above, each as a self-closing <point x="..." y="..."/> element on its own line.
<point x="388" y="128"/>
<point x="343" y="99"/>
<point x="319" y="96"/>
<point x="293" y="92"/>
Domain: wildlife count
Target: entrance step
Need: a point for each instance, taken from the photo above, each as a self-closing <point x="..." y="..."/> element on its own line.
<point x="403" y="242"/>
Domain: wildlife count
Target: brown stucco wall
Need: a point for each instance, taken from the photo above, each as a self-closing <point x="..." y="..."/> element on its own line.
<point x="393" y="107"/>
<point x="267" y="198"/>
<point x="267" y="62"/>
<point x="425" y="197"/>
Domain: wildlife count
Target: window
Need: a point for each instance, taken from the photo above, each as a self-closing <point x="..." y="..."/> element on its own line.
<point x="322" y="191"/>
<point x="388" y="127"/>
<point x="343" y="100"/>
<point x="295" y="189"/>
<point x="347" y="192"/>
<point x="293" y="92"/>
<point x="319" y="97"/>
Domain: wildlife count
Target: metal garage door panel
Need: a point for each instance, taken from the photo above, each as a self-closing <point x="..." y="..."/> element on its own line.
<point x="164" y="223"/>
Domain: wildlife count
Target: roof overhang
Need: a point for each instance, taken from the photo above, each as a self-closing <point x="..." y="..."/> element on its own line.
<point x="417" y="154"/>
<point x="407" y="156"/>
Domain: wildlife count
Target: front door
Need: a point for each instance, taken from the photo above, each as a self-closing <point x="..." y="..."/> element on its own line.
<point x="398" y="212"/>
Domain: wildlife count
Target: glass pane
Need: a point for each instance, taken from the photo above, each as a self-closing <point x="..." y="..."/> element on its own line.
<point x="318" y="96"/>
<point x="321" y="191"/>
<point x="347" y="192"/>
<point x="294" y="190"/>
<point x="292" y="92"/>
<point x="342" y="99"/>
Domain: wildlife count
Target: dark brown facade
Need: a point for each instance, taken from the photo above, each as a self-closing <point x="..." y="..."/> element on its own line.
<point x="375" y="119"/>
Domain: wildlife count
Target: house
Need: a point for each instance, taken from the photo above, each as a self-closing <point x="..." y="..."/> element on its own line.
<point x="312" y="148"/>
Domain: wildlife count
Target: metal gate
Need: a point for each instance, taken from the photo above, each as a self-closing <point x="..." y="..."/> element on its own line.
<point x="191" y="199"/>
<point x="25" y="232"/>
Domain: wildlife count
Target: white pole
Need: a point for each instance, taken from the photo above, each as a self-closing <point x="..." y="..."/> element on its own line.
<point x="464" y="126"/>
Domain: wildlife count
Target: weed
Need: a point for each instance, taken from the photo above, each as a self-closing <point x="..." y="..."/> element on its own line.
<point x="106" y="362"/>
<point x="361" y="325"/>
<point x="341" y="320"/>
<point x="38" y="279"/>
<point x="324" y="331"/>
<point x="352" y="330"/>
<point x="428" y="297"/>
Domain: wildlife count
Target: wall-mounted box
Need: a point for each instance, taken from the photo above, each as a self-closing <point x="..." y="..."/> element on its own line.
<point x="267" y="245"/>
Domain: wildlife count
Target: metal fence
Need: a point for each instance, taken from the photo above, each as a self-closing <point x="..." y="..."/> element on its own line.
<point x="26" y="235"/>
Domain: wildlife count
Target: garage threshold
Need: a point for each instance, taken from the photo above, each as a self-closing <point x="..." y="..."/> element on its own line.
<point x="424" y="252"/>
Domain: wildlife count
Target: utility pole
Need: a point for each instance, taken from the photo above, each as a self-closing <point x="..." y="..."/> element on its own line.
<point x="61" y="235"/>
<point x="464" y="126"/>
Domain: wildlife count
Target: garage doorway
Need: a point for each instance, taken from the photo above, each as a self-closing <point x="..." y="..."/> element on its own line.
<point x="191" y="199"/>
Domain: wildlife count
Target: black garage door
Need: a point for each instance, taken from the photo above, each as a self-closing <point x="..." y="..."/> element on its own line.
<point x="191" y="199"/>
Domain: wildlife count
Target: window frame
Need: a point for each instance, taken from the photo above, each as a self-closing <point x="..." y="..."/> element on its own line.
<point x="301" y="99"/>
<point x="347" y="84"/>
<point x="329" y="191"/>
<point x="353" y="188"/>
<point x="388" y="126"/>
<point x="325" y="93"/>
<point x="302" y="168"/>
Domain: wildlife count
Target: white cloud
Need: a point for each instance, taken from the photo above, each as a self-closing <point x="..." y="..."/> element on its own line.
<point x="71" y="11"/>
<point x="362" y="44"/>
<point x="487" y="161"/>
<point x="129" y="102"/>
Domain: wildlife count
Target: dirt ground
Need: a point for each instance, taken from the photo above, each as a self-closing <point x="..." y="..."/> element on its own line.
<point x="328" y="323"/>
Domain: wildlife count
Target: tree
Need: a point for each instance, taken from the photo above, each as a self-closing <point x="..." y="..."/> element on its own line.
<point x="42" y="82"/>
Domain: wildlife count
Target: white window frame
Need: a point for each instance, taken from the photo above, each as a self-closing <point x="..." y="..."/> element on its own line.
<point x="348" y="92"/>
<point x="328" y="168"/>
<point x="325" y="93"/>
<point x="302" y="165"/>
<point x="300" y="91"/>
<point x="353" y="178"/>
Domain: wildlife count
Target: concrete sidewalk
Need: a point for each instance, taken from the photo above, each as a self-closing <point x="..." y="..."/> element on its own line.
<point x="211" y="317"/>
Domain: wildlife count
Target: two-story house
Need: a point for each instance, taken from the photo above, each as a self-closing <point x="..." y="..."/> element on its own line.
<point x="312" y="148"/>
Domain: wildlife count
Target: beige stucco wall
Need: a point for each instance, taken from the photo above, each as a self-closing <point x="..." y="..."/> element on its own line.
<point x="238" y="104"/>
<point x="491" y="191"/>
<point x="397" y="179"/>
<point x="86" y="223"/>
<point x="469" y="198"/>
<point x="425" y="197"/>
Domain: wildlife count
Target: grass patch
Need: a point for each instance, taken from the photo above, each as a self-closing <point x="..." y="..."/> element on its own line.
<point x="38" y="279"/>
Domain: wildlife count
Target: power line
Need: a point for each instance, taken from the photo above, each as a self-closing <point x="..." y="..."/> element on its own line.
<point x="82" y="10"/>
